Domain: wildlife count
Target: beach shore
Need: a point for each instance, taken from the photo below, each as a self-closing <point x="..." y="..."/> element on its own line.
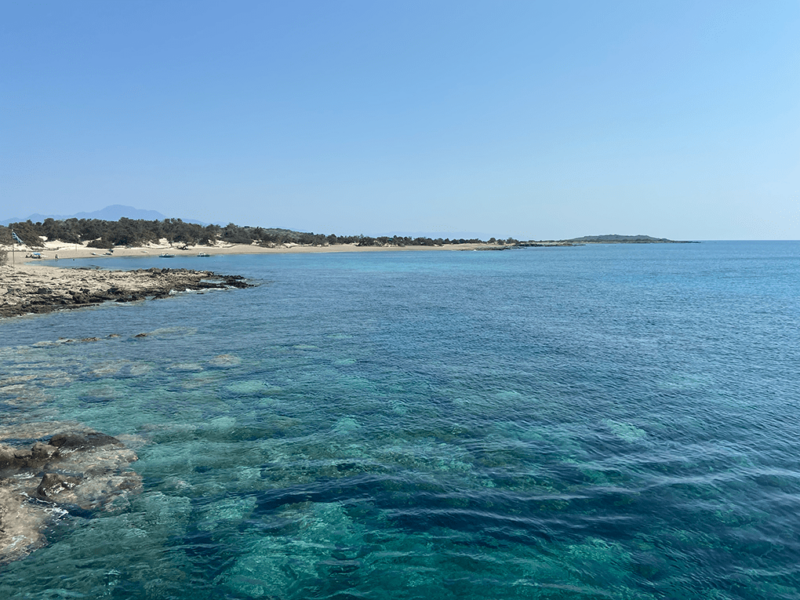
<point x="62" y="250"/>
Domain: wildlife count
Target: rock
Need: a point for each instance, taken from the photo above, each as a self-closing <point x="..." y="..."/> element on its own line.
<point x="21" y="525"/>
<point x="15" y="459"/>
<point x="23" y="454"/>
<point x="140" y="335"/>
<point x="93" y="439"/>
<point x="54" y="484"/>
<point x="43" y="290"/>
<point x="83" y="468"/>
<point x="7" y="458"/>
<point x="42" y="451"/>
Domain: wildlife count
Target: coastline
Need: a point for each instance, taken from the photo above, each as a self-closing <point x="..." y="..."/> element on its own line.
<point x="30" y="288"/>
<point x="38" y="289"/>
<point x="49" y="250"/>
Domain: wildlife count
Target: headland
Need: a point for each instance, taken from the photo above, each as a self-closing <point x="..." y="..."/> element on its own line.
<point x="37" y="289"/>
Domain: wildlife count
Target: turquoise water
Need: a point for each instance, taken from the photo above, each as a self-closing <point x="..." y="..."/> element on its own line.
<point x="589" y="422"/>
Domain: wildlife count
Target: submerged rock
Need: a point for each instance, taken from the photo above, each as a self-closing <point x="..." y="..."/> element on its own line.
<point x="75" y="467"/>
<point x="53" y="484"/>
<point x="20" y="527"/>
<point x="185" y="367"/>
<point x="225" y="361"/>
<point x="82" y="440"/>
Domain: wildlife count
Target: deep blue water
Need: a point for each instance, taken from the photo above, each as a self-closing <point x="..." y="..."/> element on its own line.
<point x="590" y="422"/>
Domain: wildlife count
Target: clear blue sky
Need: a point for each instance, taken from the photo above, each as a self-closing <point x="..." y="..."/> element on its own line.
<point x="530" y="119"/>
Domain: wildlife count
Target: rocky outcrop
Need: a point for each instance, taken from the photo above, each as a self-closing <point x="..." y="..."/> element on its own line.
<point x="71" y="469"/>
<point x="37" y="289"/>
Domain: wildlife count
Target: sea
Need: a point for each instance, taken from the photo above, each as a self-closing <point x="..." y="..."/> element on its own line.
<point x="600" y="421"/>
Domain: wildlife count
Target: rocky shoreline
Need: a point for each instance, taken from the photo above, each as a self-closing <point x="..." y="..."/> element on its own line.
<point x="56" y="469"/>
<point x="34" y="289"/>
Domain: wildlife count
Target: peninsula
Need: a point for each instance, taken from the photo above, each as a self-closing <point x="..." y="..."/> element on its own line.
<point x="37" y="289"/>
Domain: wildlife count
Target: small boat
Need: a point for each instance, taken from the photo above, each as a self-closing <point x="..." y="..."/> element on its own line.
<point x="166" y="255"/>
<point x="203" y="255"/>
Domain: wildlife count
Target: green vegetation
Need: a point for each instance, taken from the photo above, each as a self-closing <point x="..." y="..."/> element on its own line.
<point x="622" y="239"/>
<point x="130" y="232"/>
<point x="137" y="232"/>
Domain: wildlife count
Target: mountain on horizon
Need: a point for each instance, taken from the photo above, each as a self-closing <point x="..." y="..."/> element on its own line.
<point x="115" y="212"/>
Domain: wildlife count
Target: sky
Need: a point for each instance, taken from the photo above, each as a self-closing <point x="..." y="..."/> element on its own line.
<point x="531" y="119"/>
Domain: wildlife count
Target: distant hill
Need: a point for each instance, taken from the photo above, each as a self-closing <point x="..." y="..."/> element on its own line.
<point x="110" y="213"/>
<point x="622" y="239"/>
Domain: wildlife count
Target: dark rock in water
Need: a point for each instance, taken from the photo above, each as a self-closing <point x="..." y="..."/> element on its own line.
<point x="7" y="457"/>
<point x="140" y="335"/>
<point x="42" y="451"/>
<point x="97" y="399"/>
<point x="53" y="484"/>
<point x="92" y="439"/>
<point x="84" y="470"/>
<point x="14" y="459"/>
<point x="23" y="454"/>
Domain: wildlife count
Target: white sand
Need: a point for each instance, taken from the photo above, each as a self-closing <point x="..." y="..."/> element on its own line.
<point x="69" y="251"/>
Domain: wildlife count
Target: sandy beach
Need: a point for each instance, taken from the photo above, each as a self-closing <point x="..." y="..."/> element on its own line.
<point x="64" y="251"/>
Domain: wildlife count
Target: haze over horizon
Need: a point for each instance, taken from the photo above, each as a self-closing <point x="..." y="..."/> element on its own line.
<point x="537" y="121"/>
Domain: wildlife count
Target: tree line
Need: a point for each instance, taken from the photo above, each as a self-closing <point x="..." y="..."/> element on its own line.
<point x="137" y="232"/>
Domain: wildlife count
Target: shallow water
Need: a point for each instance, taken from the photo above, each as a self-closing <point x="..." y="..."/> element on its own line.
<point x="599" y="421"/>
